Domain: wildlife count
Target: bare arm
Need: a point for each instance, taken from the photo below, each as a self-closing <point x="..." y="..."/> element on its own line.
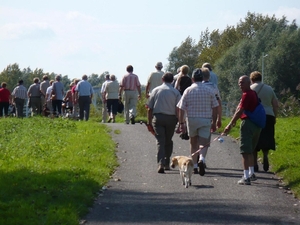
<point x="181" y="120"/>
<point x="139" y="90"/>
<point x="147" y="90"/>
<point x="120" y="92"/>
<point x="219" y="116"/>
<point x="149" y="116"/>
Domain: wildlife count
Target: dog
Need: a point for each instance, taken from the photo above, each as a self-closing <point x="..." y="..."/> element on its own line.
<point x="186" y="167"/>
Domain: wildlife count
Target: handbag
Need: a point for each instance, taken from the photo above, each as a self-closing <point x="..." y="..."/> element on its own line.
<point x="258" y="116"/>
<point x="120" y="107"/>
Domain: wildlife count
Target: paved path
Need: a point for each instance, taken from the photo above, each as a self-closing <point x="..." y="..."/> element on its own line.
<point x="137" y="194"/>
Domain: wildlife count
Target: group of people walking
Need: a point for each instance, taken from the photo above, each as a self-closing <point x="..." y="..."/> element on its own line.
<point x="48" y="97"/>
<point x="128" y="90"/>
<point x="194" y="105"/>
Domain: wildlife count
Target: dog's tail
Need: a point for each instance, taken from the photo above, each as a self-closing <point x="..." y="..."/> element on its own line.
<point x="188" y="164"/>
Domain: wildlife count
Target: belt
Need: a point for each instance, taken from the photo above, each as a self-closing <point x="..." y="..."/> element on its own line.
<point x="35" y="96"/>
<point x="163" y="114"/>
<point x="128" y="90"/>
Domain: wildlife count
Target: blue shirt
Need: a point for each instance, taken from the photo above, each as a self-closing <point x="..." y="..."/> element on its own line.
<point x="84" y="88"/>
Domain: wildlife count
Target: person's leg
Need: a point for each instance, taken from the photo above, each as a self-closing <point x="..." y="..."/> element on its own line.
<point x="18" y="107"/>
<point x="1" y="108"/>
<point x="87" y="109"/>
<point x="126" y="106"/>
<point x="115" y="104"/>
<point x="255" y="159"/>
<point x="34" y="106"/>
<point x="266" y="159"/>
<point x="246" y="150"/>
<point x="109" y="110"/>
<point x="81" y="108"/>
<point x="6" y="107"/>
<point x="59" y="105"/>
<point x="194" y="146"/>
<point x="160" y="141"/>
<point x="171" y="122"/>
<point x="205" y="142"/>
<point x="54" y="107"/>
<point x="192" y="125"/>
<point x="134" y="100"/>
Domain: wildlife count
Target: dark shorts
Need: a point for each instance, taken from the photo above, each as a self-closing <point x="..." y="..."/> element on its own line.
<point x="249" y="134"/>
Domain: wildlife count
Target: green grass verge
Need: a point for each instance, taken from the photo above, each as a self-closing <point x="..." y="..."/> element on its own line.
<point x="51" y="170"/>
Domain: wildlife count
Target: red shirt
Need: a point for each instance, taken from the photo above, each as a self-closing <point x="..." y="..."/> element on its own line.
<point x="4" y="95"/>
<point x="248" y="102"/>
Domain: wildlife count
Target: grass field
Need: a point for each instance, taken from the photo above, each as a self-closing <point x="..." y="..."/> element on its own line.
<point x="53" y="169"/>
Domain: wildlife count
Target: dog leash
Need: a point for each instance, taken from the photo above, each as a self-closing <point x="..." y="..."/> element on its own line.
<point x="203" y="146"/>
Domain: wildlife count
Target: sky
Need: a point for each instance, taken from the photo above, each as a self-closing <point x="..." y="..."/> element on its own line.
<point x="76" y="37"/>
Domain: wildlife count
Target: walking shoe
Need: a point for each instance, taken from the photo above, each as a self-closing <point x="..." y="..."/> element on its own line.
<point x="253" y="177"/>
<point x="195" y="170"/>
<point x="266" y="164"/>
<point x="109" y="120"/>
<point x="161" y="169"/>
<point x="167" y="167"/>
<point x="256" y="168"/>
<point x="244" y="181"/>
<point x="132" y="120"/>
<point x="201" y="168"/>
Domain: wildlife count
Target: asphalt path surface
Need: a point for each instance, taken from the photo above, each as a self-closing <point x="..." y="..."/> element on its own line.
<point x="137" y="194"/>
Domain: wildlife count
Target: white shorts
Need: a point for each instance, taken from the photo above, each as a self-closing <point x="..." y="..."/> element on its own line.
<point x="198" y="126"/>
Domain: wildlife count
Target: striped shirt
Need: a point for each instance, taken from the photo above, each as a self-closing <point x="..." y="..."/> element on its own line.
<point x="198" y="101"/>
<point x="130" y="82"/>
<point x="20" y="92"/>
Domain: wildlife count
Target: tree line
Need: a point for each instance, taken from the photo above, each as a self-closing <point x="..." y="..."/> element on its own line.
<point x="263" y="43"/>
<point x="12" y="74"/>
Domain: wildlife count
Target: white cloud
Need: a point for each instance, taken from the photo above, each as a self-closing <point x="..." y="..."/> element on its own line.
<point x="25" y="30"/>
<point x="290" y="13"/>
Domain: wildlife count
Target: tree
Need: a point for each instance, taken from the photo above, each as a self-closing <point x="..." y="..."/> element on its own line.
<point x="185" y="54"/>
<point x="11" y="75"/>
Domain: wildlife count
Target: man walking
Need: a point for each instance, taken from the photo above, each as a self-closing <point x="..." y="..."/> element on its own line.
<point x="34" y="96"/>
<point x="19" y="95"/>
<point x="249" y="131"/>
<point x="130" y="84"/>
<point x="213" y="77"/>
<point x="200" y="104"/>
<point x="84" y="94"/>
<point x="104" y="103"/>
<point x="162" y="116"/>
<point x="154" y="79"/>
<point x="43" y="89"/>
<point x="214" y="88"/>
